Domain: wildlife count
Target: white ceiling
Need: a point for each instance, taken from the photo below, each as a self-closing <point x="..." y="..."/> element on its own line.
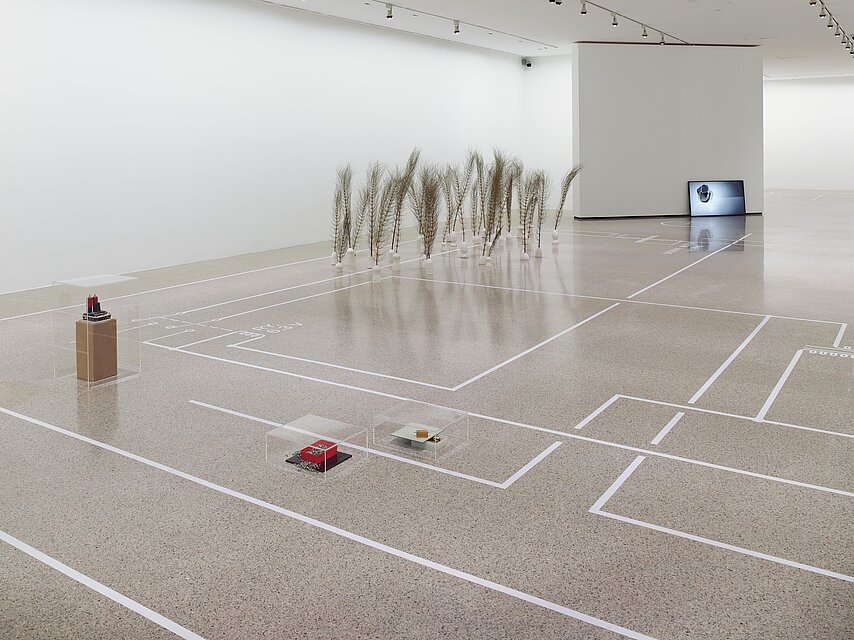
<point x="795" y="43"/>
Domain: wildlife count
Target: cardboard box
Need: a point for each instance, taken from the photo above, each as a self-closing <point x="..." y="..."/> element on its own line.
<point x="97" y="352"/>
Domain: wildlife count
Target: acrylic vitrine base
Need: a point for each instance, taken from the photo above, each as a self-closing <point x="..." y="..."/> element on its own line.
<point x="420" y="431"/>
<point x="316" y="447"/>
<point x="96" y="349"/>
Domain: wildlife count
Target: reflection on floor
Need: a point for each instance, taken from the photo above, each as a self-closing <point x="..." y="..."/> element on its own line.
<point x="658" y="442"/>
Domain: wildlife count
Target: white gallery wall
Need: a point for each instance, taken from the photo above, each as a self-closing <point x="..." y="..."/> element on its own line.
<point x="546" y="126"/>
<point x="647" y="119"/>
<point x="809" y="129"/>
<point x="145" y="134"/>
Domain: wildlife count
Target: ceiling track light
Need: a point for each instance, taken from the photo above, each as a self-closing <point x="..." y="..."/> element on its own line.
<point x="834" y="26"/>
<point x="456" y="26"/>
<point x="389" y="11"/>
<point x="644" y="29"/>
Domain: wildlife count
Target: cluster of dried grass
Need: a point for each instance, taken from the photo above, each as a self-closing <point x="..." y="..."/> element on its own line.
<point x="489" y="188"/>
<point x="382" y="201"/>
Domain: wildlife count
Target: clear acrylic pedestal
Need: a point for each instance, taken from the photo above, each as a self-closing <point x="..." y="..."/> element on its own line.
<point x="96" y="352"/>
<point x="316" y="446"/>
<point x="421" y="431"/>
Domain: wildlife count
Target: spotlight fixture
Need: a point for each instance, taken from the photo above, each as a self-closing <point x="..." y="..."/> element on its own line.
<point x="456" y="26"/>
<point x="389" y="11"/>
<point x="834" y="26"/>
<point x="645" y="29"/>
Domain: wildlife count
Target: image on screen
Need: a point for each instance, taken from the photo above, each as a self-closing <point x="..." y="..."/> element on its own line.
<point x="716" y="198"/>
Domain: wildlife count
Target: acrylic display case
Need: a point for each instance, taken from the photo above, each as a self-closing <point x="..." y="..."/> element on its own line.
<point x="96" y="348"/>
<point x="317" y="447"/>
<point x="421" y="431"/>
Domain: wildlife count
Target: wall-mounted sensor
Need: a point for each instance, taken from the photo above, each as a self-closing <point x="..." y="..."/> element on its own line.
<point x="526" y="62"/>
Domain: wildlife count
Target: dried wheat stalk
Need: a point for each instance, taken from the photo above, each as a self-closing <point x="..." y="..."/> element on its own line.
<point x="461" y="187"/>
<point x="415" y="199"/>
<point x="482" y="194"/>
<point x="406" y="178"/>
<point x="543" y="195"/>
<point x="564" y="191"/>
<point x="430" y="202"/>
<point x="514" y="169"/>
<point x="337" y="218"/>
<point x="529" y="189"/>
<point x="380" y="225"/>
<point x="474" y="223"/>
<point x="369" y="200"/>
<point x="495" y="195"/>
<point x="449" y="177"/>
<point x="342" y="211"/>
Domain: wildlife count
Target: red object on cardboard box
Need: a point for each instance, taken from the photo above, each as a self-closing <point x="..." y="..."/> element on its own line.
<point x="319" y="452"/>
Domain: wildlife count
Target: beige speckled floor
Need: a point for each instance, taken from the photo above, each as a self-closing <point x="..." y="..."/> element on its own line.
<point x="145" y="508"/>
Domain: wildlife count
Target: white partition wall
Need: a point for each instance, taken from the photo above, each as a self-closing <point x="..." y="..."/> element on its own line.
<point x="809" y="131"/>
<point x="648" y="118"/>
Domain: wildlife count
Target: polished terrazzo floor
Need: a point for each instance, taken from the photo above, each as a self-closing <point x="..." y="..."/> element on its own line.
<point x="660" y="443"/>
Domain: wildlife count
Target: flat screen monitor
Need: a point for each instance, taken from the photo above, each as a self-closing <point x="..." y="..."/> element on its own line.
<point x="716" y="198"/>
